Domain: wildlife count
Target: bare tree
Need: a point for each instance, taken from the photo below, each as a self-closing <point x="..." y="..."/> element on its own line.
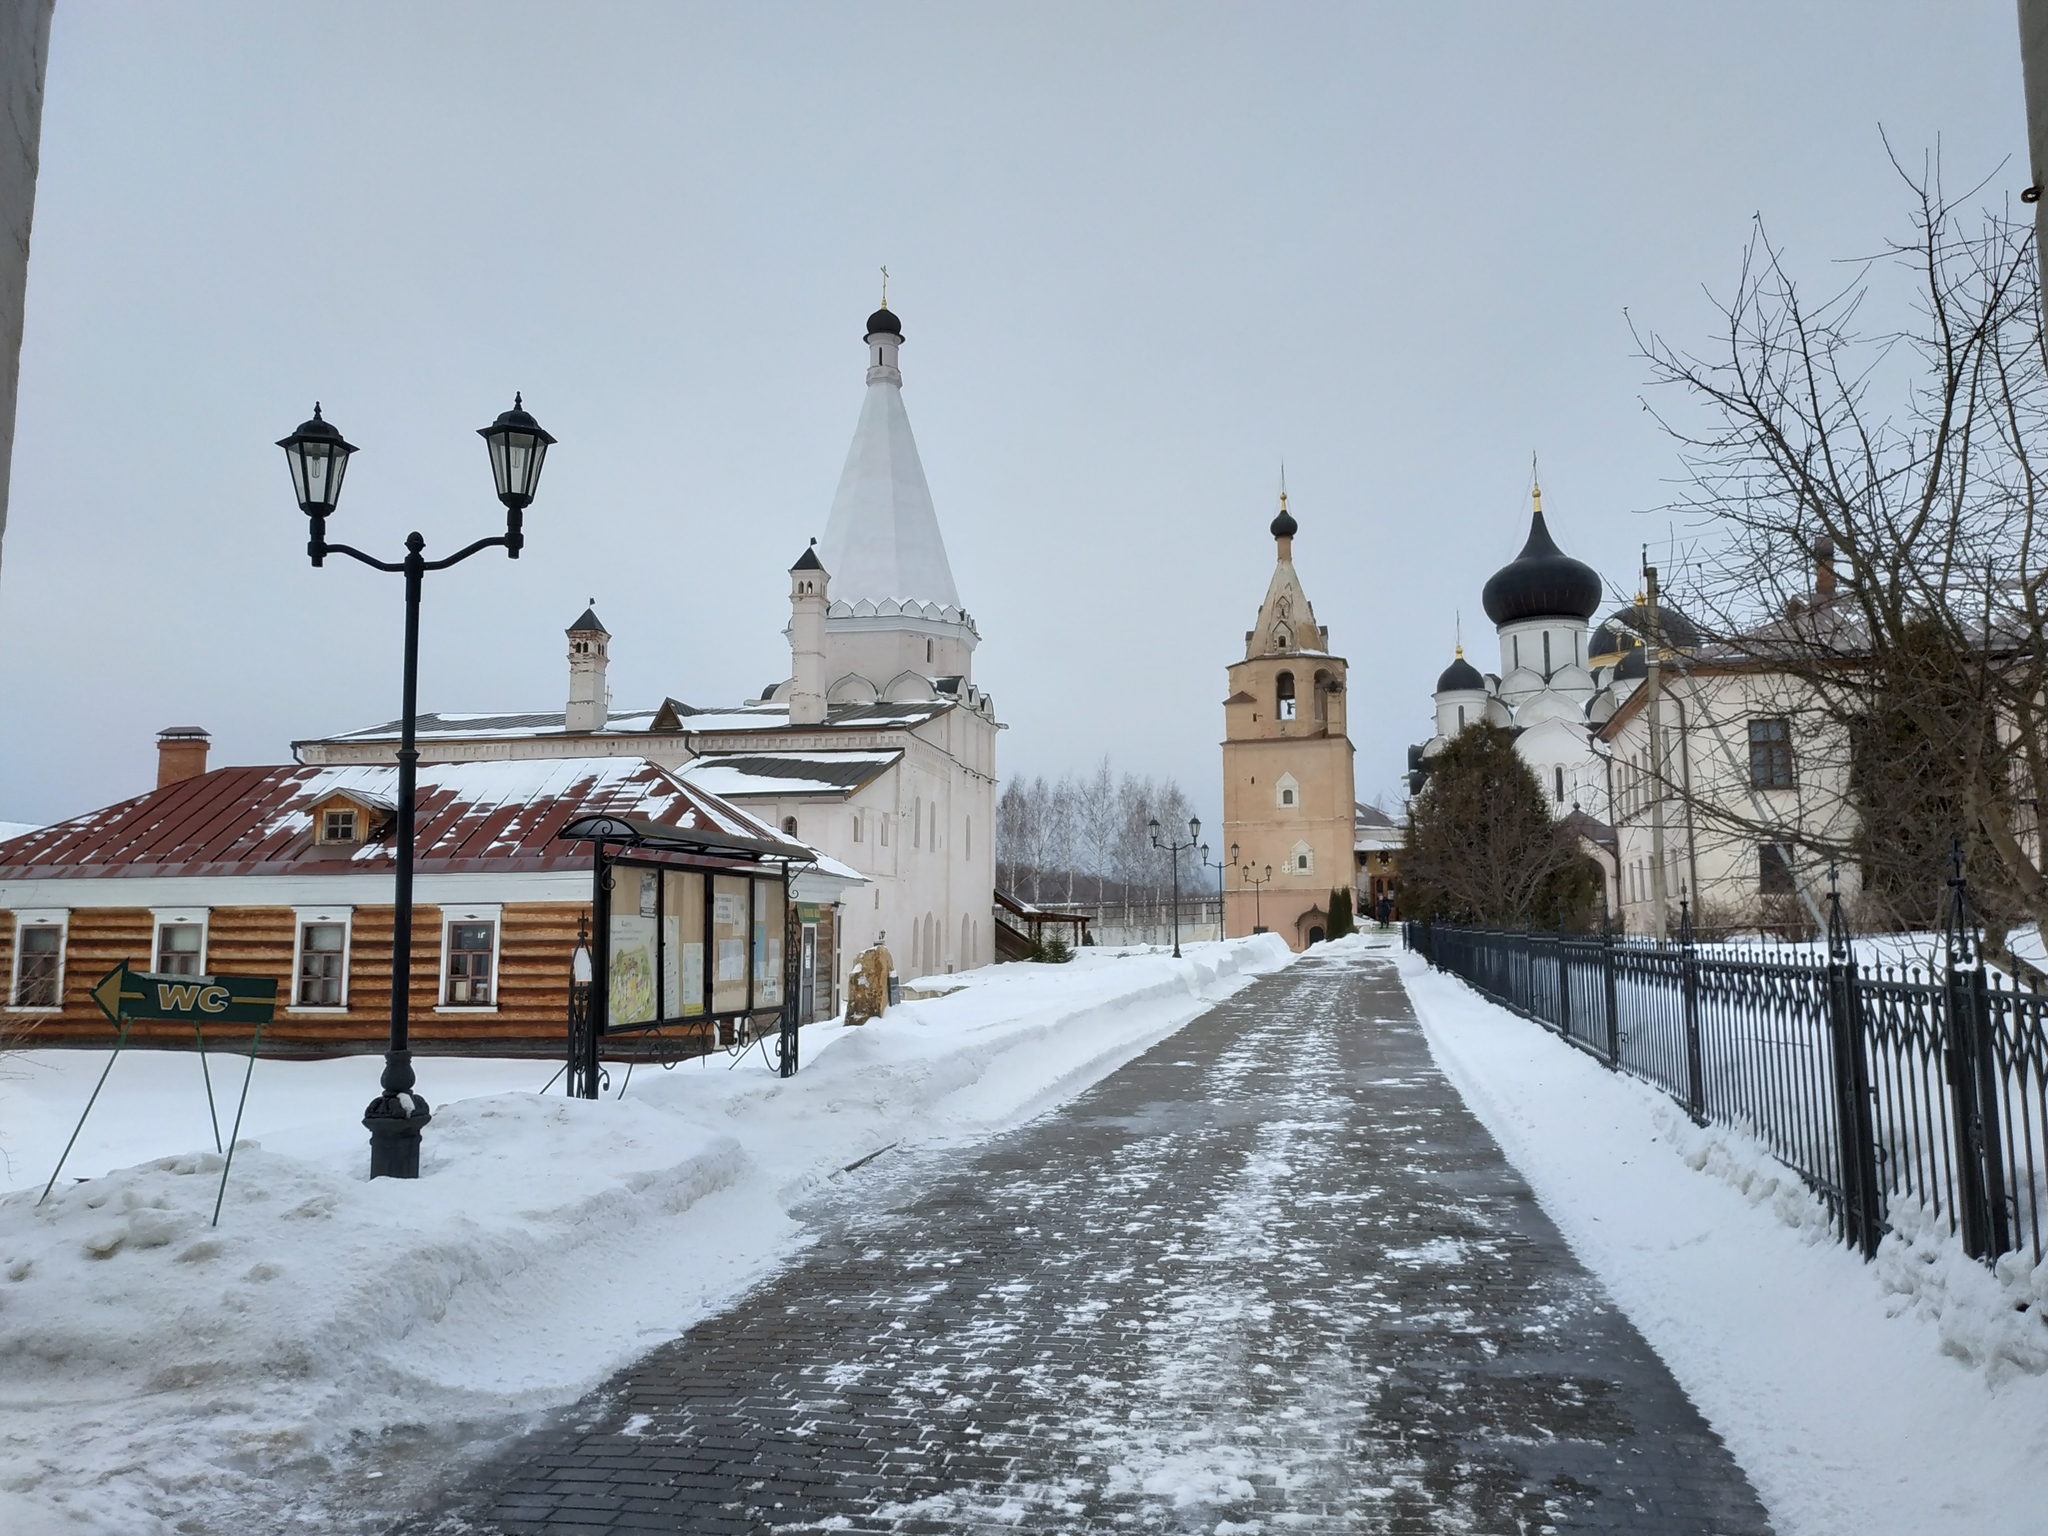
<point x="1912" y="451"/>
<point x="1076" y="835"/>
<point x="1098" y="824"/>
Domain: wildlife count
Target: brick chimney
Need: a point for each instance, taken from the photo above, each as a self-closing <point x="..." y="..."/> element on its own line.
<point x="180" y="753"/>
<point x="1824" y="567"/>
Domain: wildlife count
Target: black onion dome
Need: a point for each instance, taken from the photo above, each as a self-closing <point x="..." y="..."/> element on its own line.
<point x="1542" y="582"/>
<point x="1461" y="675"/>
<point x="1284" y="526"/>
<point x="883" y="323"/>
<point x="1625" y="628"/>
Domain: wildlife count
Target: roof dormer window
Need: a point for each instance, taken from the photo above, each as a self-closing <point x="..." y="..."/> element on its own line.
<point x="340" y="825"/>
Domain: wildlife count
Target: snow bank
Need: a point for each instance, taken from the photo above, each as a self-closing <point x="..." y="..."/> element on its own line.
<point x="1896" y="1397"/>
<point x="336" y="1348"/>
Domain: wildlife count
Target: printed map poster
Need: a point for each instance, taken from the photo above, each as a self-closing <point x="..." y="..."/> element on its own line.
<point x="632" y="970"/>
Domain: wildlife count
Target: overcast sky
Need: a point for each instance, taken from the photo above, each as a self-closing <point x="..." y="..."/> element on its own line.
<point x="1142" y="254"/>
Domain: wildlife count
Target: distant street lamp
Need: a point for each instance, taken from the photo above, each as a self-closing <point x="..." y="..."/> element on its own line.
<point x="1175" y="850"/>
<point x="318" y="456"/>
<point x="1219" y="867"/>
<point x="1244" y="878"/>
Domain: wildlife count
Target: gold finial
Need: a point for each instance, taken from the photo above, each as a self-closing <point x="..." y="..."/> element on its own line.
<point x="1535" y="485"/>
<point x="1283" y="485"/>
<point x="885" y="286"/>
<point x="1460" y="633"/>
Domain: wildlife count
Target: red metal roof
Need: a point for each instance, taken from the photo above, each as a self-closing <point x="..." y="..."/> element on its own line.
<point x="494" y="817"/>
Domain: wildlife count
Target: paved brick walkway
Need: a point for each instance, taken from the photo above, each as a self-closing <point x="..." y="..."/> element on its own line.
<point x="1270" y="1276"/>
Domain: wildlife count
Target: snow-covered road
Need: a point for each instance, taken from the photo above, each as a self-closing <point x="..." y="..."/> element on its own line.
<point x="1272" y="1275"/>
<point x="336" y="1348"/>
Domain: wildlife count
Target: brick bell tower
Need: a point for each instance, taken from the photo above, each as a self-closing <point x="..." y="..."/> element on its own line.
<point x="1287" y="776"/>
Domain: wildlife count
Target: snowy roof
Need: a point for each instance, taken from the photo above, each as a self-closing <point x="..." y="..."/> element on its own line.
<point x="472" y="817"/>
<point x="882" y="539"/>
<point x="447" y="727"/>
<point x="761" y="715"/>
<point x="744" y="774"/>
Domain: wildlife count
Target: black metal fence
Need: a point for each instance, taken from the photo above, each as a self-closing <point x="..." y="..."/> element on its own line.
<point x="1879" y="1085"/>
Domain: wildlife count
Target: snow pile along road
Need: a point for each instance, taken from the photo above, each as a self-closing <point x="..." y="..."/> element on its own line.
<point x="1895" y="1398"/>
<point x="337" y="1347"/>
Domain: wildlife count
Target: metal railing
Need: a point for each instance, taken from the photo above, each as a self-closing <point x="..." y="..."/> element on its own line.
<point x="1880" y="1086"/>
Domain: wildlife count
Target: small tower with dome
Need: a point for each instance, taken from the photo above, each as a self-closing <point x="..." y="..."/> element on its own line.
<point x="1287" y="764"/>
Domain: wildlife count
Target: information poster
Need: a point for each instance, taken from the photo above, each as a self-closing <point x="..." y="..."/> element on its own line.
<point x="683" y="943"/>
<point x="693" y="981"/>
<point x="730" y="921"/>
<point x="671" y="969"/>
<point x="632" y="970"/>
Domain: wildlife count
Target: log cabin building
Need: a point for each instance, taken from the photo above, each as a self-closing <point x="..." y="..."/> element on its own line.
<point x="287" y="872"/>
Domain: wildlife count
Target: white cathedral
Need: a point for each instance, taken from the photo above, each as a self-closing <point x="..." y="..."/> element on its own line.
<point x="1557" y="684"/>
<point x="877" y="750"/>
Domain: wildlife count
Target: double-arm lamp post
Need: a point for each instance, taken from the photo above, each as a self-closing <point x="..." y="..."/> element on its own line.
<point x="319" y="456"/>
<point x="1175" y="850"/>
<point x="1244" y="877"/>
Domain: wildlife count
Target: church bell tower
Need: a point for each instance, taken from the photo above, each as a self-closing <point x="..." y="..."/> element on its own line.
<point x="1288" y="802"/>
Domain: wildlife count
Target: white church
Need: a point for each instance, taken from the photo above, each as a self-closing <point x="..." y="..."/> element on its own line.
<point x="877" y="750"/>
<point x="1558" y="684"/>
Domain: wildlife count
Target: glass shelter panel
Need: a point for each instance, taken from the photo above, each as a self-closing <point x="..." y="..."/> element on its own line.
<point x="769" y="916"/>
<point x="730" y="900"/>
<point x="683" y="945"/>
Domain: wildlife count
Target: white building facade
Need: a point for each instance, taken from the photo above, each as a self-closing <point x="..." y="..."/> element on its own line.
<point x="878" y="749"/>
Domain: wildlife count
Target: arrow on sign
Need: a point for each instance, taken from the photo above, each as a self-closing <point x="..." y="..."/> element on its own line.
<point x="125" y="994"/>
<point x="114" y="995"/>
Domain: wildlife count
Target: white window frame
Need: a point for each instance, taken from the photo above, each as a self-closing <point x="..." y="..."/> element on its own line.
<point x="484" y="912"/>
<point x="301" y="916"/>
<point x="161" y="918"/>
<point x="1285" y="785"/>
<point x="1296" y="854"/>
<point x="39" y="917"/>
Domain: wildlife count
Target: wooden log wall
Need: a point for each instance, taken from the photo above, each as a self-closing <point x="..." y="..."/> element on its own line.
<point x="533" y="982"/>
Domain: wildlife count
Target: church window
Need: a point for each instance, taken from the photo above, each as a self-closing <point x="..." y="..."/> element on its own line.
<point x="927" y="651"/>
<point x="1461" y="717"/>
<point x="916" y="823"/>
<point x="1323" y="686"/>
<point x="1546" y="655"/>
<point x="1283" y="688"/>
<point x="856" y="826"/>
<point x="1560" y="786"/>
<point x="789" y="825"/>
<point x="1517" y="644"/>
<point x="882" y="830"/>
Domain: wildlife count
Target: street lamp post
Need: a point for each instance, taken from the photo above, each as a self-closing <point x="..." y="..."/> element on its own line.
<point x="1219" y="867"/>
<point x="318" y="456"/>
<point x="1175" y="850"/>
<point x="1244" y="878"/>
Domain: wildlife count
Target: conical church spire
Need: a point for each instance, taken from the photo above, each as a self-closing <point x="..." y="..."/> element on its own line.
<point x="882" y="540"/>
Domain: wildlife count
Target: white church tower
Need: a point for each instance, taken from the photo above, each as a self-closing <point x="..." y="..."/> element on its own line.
<point x="589" y="697"/>
<point x="895" y="625"/>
